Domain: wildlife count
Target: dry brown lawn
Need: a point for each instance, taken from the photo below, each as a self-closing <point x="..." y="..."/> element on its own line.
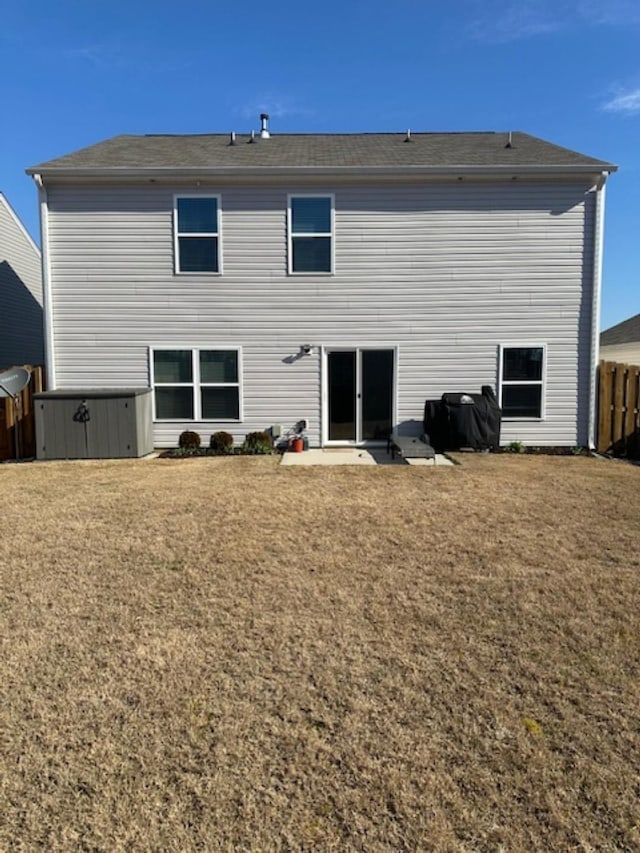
<point x="226" y="654"/>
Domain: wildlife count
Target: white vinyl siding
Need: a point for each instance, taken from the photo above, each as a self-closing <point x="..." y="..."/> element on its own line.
<point x="442" y="271"/>
<point x="628" y="353"/>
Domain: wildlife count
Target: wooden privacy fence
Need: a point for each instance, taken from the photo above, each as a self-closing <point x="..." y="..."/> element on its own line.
<point x="17" y="420"/>
<point x="618" y="409"/>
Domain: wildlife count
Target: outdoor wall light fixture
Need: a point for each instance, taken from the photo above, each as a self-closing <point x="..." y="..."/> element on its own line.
<point x="306" y="349"/>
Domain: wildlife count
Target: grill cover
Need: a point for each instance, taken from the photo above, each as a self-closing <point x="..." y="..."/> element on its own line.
<point x="464" y="420"/>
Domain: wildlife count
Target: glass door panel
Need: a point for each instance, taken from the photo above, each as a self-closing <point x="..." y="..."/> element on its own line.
<point x="342" y="395"/>
<point x="377" y="393"/>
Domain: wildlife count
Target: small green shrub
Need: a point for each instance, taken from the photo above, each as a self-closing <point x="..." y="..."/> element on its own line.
<point x="221" y="442"/>
<point x="515" y="447"/>
<point x="180" y="452"/>
<point x="189" y="440"/>
<point x="257" y="443"/>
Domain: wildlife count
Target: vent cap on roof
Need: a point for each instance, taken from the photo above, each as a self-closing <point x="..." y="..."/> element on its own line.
<point x="264" y="126"/>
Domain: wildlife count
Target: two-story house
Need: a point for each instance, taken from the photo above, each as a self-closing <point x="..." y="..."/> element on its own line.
<point x="339" y="278"/>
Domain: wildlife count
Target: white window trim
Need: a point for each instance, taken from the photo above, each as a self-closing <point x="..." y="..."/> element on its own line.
<point x="196" y="384"/>
<point x="542" y="382"/>
<point x="177" y="234"/>
<point x="331" y="234"/>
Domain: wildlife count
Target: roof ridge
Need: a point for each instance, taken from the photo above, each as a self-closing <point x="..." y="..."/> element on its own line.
<point x="328" y="133"/>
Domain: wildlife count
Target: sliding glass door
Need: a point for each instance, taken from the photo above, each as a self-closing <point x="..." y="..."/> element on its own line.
<point x="360" y="394"/>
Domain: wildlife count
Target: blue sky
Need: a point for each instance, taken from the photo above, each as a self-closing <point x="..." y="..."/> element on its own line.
<point x="565" y="70"/>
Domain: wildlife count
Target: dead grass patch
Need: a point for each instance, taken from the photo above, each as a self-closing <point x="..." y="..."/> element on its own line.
<point x="223" y="653"/>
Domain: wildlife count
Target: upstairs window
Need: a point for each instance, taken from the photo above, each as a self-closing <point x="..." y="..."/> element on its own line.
<point x="522" y="381"/>
<point x="197" y="234"/>
<point x="310" y="234"/>
<point x="196" y="384"/>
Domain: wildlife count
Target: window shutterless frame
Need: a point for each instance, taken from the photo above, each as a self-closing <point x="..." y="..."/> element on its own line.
<point x="212" y="235"/>
<point x="540" y="383"/>
<point x="196" y="384"/>
<point x="309" y="235"/>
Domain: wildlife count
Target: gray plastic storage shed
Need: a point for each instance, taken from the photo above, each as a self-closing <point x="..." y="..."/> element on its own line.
<point x="89" y="424"/>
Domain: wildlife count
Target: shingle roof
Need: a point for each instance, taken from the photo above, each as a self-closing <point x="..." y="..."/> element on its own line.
<point x="351" y="151"/>
<point x="623" y="333"/>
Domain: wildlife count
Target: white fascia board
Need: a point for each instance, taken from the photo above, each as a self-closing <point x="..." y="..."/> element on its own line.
<point x="171" y="172"/>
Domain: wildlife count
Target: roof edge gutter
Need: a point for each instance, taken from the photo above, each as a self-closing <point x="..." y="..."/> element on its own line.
<point x="267" y="171"/>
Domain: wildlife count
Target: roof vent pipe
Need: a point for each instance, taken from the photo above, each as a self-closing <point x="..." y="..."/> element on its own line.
<point x="408" y="136"/>
<point x="509" y="141"/>
<point x="264" y="126"/>
<point x="252" y="138"/>
<point x="232" y="138"/>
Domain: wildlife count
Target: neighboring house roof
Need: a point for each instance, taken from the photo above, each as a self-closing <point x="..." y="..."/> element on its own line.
<point x="626" y="332"/>
<point x="444" y="152"/>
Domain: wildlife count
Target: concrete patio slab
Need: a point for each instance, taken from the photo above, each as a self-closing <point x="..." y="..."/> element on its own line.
<point x="332" y="456"/>
<point x="356" y="456"/>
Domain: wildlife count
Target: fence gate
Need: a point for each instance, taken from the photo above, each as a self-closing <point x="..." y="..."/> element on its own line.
<point x="618" y="409"/>
<point x="17" y="422"/>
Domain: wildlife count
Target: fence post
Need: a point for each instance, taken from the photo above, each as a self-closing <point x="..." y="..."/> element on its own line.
<point x="36" y="378"/>
<point x="604" y="405"/>
<point x="632" y="425"/>
<point x="619" y="396"/>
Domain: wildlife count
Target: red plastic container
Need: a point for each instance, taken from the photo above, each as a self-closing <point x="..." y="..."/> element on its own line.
<point x="296" y="445"/>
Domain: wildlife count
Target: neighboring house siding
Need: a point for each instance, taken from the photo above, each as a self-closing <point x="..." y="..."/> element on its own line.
<point x="627" y="353"/>
<point x="445" y="272"/>
<point x="21" y="333"/>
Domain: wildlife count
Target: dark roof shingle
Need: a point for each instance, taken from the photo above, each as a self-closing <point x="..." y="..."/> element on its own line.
<point x="358" y="150"/>
<point x="626" y="332"/>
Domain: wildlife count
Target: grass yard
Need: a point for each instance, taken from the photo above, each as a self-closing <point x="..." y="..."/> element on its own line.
<point x="226" y="654"/>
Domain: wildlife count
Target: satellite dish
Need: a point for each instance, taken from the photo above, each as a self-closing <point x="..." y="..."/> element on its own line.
<point x="12" y="381"/>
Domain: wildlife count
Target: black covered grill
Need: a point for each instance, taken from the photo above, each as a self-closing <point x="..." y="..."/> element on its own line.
<point x="464" y="420"/>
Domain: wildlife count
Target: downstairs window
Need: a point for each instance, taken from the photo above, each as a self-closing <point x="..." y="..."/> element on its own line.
<point x="196" y="384"/>
<point x="522" y="381"/>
